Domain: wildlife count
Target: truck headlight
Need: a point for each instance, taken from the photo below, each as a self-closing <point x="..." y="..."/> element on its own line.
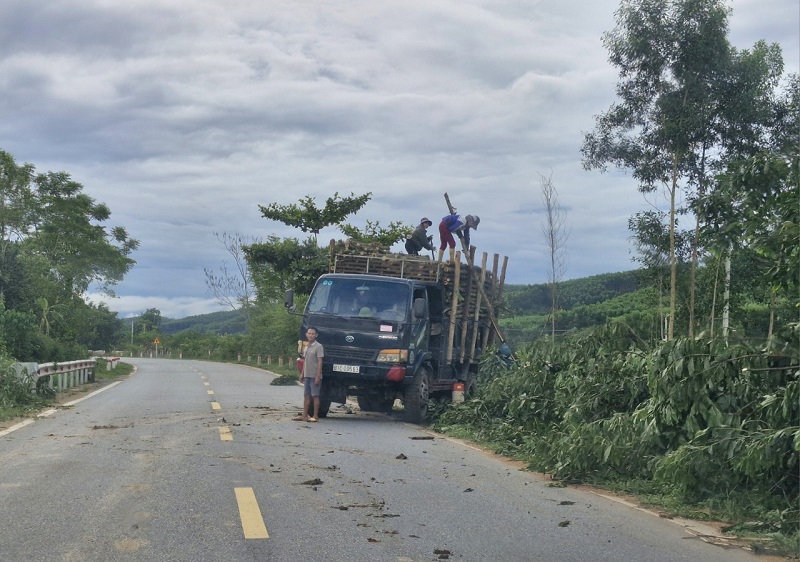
<point x="393" y="356"/>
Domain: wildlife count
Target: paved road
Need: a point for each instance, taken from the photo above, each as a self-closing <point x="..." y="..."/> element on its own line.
<point x="194" y="461"/>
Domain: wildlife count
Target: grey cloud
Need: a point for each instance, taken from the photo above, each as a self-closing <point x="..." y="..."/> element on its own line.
<point x="184" y="120"/>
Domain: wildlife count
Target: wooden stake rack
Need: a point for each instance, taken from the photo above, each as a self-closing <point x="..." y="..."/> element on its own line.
<point x="357" y="258"/>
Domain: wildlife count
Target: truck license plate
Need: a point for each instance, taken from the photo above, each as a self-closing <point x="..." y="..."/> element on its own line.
<point x="345" y="368"/>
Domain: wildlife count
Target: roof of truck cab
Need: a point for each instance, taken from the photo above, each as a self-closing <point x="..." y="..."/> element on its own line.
<point x="378" y="278"/>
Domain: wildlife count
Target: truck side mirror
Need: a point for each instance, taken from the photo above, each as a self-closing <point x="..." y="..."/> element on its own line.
<point x="288" y="299"/>
<point x="419" y="308"/>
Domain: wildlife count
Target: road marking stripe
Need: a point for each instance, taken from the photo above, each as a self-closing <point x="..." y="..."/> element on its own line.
<point x="225" y="433"/>
<point x="16" y="427"/>
<point x="95" y="393"/>
<point x="207" y="384"/>
<point x="52" y="411"/>
<point x="210" y="391"/>
<point x="215" y="406"/>
<point x="250" y="514"/>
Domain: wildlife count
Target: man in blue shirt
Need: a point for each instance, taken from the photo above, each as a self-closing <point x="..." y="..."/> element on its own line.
<point x="461" y="226"/>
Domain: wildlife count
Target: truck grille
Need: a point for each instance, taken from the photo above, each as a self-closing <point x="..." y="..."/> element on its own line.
<point x="348" y="353"/>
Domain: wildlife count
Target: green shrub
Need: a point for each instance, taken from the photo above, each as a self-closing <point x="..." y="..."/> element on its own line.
<point x="17" y="393"/>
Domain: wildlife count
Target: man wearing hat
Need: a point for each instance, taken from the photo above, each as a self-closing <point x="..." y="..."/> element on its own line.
<point x="458" y="224"/>
<point x="419" y="238"/>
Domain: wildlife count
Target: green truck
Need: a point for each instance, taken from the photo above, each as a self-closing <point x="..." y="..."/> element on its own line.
<point x="396" y="326"/>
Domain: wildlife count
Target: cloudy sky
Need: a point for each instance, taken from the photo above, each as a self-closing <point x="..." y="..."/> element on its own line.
<point x="184" y="116"/>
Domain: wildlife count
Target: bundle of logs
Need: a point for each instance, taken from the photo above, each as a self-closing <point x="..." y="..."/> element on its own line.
<point x="373" y="259"/>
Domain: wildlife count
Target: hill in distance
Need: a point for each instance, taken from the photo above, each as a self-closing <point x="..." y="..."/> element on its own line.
<point x="223" y="322"/>
<point x="521" y="300"/>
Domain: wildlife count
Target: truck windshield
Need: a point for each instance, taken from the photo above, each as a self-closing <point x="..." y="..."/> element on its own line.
<point x="355" y="298"/>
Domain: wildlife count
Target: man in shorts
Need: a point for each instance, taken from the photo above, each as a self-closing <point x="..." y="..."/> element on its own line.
<point x="311" y="377"/>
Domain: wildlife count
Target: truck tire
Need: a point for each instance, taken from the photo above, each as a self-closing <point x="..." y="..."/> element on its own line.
<point x="415" y="399"/>
<point x="469" y="389"/>
<point x="374" y="404"/>
<point x="324" y="406"/>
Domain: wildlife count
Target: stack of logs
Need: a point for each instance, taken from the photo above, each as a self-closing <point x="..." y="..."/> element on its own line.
<point x="374" y="259"/>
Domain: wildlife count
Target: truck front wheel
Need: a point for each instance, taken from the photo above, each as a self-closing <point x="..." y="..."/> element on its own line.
<point x="415" y="399"/>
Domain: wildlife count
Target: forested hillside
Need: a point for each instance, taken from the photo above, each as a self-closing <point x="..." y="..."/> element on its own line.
<point x="223" y="322"/>
<point x="523" y="300"/>
<point x="582" y="303"/>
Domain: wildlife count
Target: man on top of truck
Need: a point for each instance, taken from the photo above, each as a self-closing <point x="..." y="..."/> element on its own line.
<point x="419" y="239"/>
<point x="458" y="224"/>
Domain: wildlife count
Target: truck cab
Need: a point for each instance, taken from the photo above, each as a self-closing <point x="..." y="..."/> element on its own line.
<point x="378" y="334"/>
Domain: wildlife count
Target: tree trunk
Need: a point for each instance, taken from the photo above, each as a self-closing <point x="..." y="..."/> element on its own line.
<point x="692" y="276"/>
<point x="726" y="309"/>
<point x="673" y="262"/>
<point x="771" y="314"/>
<point x="553" y="307"/>
<point x="714" y="298"/>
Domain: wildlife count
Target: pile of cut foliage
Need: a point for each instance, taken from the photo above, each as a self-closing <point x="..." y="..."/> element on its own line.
<point x="706" y="424"/>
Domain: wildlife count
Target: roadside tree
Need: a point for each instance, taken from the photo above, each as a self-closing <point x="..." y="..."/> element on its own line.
<point x="54" y="245"/>
<point x="309" y="218"/>
<point x="680" y="102"/>
<point x="233" y="288"/>
<point x="555" y="232"/>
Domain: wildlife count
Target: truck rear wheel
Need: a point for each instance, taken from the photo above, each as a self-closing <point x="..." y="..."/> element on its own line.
<point x="415" y="399"/>
<point x="324" y="406"/>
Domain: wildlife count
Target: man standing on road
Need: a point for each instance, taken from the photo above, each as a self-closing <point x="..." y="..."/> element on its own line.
<point x="311" y="377"/>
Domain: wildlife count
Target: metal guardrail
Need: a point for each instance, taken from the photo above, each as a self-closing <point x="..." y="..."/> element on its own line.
<point x="60" y="376"/>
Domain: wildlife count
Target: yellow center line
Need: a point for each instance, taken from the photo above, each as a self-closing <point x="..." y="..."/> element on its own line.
<point x="215" y="406"/>
<point x="225" y="433"/>
<point x="210" y="391"/>
<point x="252" y="521"/>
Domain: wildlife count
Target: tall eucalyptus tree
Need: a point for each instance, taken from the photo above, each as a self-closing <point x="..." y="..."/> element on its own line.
<point x="682" y="104"/>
